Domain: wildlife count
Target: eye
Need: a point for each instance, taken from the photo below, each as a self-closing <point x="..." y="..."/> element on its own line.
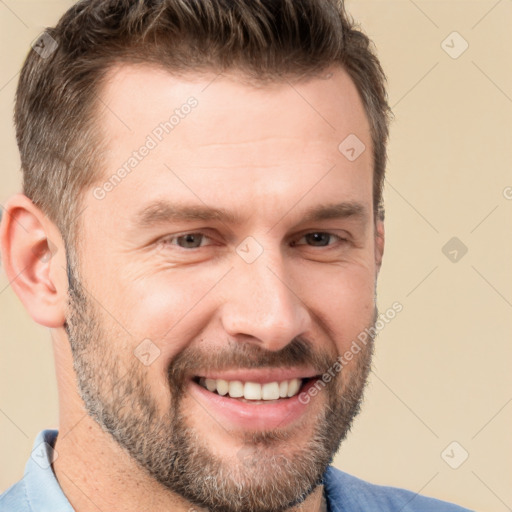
<point x="187" y="240"/>
<point x="319" y="239"/>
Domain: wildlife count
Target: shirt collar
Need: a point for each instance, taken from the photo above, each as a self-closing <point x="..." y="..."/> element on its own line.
<point x="42" y="488"/>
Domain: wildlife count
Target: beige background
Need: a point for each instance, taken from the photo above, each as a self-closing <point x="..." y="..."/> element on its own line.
<point x="443" y="365"/>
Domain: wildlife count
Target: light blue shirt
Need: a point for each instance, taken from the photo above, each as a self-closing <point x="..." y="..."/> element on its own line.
<point x="39" y="491"/>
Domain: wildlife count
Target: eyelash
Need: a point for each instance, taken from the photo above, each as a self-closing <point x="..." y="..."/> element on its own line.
<point x="168" y="240"/>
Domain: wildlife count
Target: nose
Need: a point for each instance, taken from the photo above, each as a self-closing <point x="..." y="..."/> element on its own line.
<point x="262" y="304"/>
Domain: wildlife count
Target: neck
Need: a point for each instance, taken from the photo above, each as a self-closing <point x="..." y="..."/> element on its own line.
<point x="96" y="474"/>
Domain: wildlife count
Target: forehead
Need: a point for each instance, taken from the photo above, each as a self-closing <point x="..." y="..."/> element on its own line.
<point x="210" y="135"/>
<point x="137" y="98"/>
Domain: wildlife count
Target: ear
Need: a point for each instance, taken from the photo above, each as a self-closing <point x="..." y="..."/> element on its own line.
<point x="379" y="243"/>
<point x="34" y="259"/>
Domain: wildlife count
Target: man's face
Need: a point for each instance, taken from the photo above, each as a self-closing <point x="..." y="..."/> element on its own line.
<point x="227" y="269"/>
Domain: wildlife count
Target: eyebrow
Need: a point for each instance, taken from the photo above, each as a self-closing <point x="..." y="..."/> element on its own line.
<point x="161" y="211"/>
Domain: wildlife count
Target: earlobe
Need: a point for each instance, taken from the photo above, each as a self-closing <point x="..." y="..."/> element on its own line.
<point x="33" y="257"/>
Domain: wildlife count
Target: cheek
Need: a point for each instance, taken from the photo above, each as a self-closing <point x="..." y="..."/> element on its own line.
<point x="161" y="316"/>
<point x="345" y="299"/>
<point x="170" y="310"/>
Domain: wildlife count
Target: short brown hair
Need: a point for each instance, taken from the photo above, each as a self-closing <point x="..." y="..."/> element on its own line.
<point x="57" y="94"/>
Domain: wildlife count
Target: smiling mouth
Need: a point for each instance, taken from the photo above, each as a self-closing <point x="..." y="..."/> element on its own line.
<point x="254" y="391"/>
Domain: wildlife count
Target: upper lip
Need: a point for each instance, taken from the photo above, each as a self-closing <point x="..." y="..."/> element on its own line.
<point x="260" y="375"/>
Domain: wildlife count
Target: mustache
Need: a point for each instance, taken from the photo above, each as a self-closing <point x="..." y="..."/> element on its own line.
<point x="299" y="352"/>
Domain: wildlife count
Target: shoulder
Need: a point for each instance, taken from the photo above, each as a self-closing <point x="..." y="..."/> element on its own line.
<point x="347" y="493"/>
<point x="15" y="499"/>
<point x="38" y="490"/>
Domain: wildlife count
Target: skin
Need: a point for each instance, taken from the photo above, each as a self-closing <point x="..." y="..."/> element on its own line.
<point x="266" y="155"/>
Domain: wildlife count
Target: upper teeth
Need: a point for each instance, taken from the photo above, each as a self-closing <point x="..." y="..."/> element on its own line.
<point x="253" y="390"/>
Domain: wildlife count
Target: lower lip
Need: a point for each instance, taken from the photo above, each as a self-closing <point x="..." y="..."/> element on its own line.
<point x="252" y="416"/>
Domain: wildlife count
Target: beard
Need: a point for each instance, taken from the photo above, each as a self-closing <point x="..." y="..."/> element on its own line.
<point x="271" y="471"/>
